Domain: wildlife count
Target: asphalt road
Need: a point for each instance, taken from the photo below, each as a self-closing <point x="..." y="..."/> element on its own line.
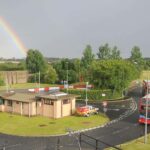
<point x="123" y="127"/>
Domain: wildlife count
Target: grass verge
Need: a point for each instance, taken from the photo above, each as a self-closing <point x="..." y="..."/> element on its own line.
<point x="42" y="126"/>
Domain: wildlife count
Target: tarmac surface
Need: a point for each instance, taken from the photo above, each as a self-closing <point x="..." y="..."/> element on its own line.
<point x="122" y="128"/>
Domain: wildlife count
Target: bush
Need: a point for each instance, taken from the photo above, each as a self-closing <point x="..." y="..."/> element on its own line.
<point x="94" y="94"/>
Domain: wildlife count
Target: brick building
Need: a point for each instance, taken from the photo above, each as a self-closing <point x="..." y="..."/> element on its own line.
<point x="54" y="105"/>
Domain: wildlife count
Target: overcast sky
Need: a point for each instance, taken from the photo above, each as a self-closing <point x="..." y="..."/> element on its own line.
<point x="63" y="28"/>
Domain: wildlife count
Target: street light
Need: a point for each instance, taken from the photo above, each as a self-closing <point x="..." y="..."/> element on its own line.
<point x="67" y="77"/>
<point x="71" y="133"/>
<point x="146" y="115"/>
<point x="86" y="99"/>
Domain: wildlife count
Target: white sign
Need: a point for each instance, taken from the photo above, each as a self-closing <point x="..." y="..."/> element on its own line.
<point x="104" y="103"/>
<point x="103" y="94"/>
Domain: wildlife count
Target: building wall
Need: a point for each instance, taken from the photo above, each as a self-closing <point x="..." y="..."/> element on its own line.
<point x="16" y="107"/>
<point x="73" y="105"/>
<point x="33" y="108"/>
<point x="25" y="108"/>
<point x="66" y="110"/>
<point x="57" y="109"/>
<point x="2" y="108"/>
<point x="39" y="108"/>
<point x="48" y="110"/>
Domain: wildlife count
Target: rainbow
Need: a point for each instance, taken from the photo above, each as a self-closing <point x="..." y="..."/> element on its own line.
<point x="13" y="35"/>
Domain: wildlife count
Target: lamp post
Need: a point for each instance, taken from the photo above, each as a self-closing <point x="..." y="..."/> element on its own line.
<point x="67" y="77"/>
<point x="86" y="99"/>
<point x="39" y="80"/>
<point x="146" y="114"/>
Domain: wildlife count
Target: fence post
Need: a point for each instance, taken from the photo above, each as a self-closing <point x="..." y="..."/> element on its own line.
<point x="80" y="138"/>
<point x="96" y="144"/>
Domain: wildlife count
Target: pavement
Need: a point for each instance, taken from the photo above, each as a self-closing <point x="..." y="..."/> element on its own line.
<point x="122" y="128"/>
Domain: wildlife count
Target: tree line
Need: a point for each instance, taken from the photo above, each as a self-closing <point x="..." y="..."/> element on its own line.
<point x="105" y="70"/>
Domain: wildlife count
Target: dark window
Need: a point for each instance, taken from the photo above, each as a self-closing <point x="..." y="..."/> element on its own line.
<point x="17" y="102"/>
<point x="48" y="102"/>
<point x="66" y="101"/>
<point x="1" y="101"/>
<point x="9" y="103"/>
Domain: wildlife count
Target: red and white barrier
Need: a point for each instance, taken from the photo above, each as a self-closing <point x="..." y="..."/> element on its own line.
<point x="46" y="89"/>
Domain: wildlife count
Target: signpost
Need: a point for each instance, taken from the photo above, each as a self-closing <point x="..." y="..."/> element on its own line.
<point x="105" y="106"/>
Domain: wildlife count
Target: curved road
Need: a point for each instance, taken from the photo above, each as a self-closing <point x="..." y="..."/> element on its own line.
<point x="118" y="131"/>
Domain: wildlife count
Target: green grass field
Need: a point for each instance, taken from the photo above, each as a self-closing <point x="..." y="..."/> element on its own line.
<point x="25" y="86"/>
<point x="137" y="144"/>
<point x="42" y="126"/>
<point x="145" y="75"/>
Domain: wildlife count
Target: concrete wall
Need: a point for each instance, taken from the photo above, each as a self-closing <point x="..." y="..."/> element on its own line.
<point x="13" y="77"/>
<point x="2" y="108"/>
<point x="25" y="108"/>
<point x="57" y="109"/>
<point x="66" y="110"/>
<point x="48" y="110"/>
<point x="39" y="108"/>
<point x="17" y="107"/>
<point x="33" y="108"/>
<point x="73" y="105"/>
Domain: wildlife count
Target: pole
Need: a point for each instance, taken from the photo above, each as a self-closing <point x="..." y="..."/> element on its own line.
<point x="146" y="116"/>
<point x="86" y="94"/>
<point x="67" y="77"/>
<point x="6" y="84"/>
<point x="39" y="80"/>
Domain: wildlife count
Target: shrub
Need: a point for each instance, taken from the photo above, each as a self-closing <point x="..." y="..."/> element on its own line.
<point x="94" y="94"/>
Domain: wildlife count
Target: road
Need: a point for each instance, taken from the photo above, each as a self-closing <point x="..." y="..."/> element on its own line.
<point x="123" y="127"/>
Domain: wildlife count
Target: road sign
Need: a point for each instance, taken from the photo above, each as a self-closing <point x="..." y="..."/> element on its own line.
<point x="105" y="109"/>
<point x="105" y="103"/>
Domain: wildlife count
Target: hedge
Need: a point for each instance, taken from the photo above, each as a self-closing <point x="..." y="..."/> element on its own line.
<point x="94" y="94"/>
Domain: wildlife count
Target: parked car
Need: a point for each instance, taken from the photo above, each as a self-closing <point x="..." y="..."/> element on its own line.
<point x="86" y="111"/>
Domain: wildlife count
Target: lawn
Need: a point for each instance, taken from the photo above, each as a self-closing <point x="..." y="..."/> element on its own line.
<point x="42" y="126"/>
<point x="25" y="86"/>
<point x="137" y="144"/>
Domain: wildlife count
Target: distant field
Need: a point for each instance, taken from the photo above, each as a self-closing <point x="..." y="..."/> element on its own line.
<point x="25" y="86"/>
<point x="145" y="75"/>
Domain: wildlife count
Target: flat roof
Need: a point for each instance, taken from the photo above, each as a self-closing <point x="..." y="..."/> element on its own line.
<point x="57" y="96"/>
<point x="22" y="97"/>
<point x="30" y="97"/>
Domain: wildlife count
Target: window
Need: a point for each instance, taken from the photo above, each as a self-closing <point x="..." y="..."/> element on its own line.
<point x="17" y="102"/>
<point x="66" y="101"/>
<point x="1" y="101"/>
<point x="48" y="102"/>
<point x="9" y="103"/>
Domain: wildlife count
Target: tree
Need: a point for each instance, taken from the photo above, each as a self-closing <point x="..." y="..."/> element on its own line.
<point x="88" y="57"/>
<point x="115" y="53"/>
<point x="77" y="65"/>
<point x="104" y="52"/>
<point x="136" y="57"/>
<point x="61" y="69"/>
<point x="35" y="61"/>
<point x="49" y="76"/>
<point x="113" y="74"/>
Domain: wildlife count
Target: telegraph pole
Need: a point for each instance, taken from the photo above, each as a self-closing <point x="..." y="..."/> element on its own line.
<point x="146" y="115"/>
<point x="86" y="99"/>
<point x="67" y="77"/>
